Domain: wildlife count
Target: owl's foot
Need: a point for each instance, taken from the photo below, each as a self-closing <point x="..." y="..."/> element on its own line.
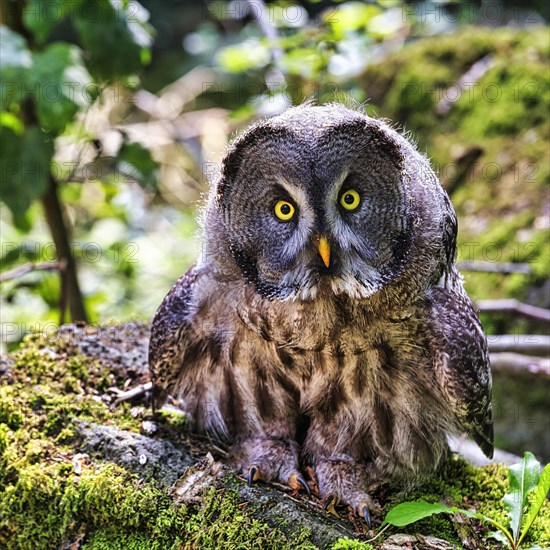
<point x="269" y="460"/>
<point x="345" y="481"/>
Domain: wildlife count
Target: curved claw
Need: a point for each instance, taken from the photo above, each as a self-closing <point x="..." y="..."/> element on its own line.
<point x="366" y="515"/>
<point x="253" y="475"/>
<point x="331" y="500"/>
<point x="304" y="484"/>
<point x="297" y="482"/>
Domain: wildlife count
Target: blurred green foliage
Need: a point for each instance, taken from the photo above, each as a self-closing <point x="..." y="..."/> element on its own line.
<point x="44" y="86"/>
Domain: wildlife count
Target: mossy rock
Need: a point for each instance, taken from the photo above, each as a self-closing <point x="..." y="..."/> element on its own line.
<point x="75" y="471"/>
<point x="490" y="147"/>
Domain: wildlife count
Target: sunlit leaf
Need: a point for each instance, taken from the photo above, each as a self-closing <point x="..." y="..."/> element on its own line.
<point x="251" y="54"/>
<point x="540" y="495"/>
<point x="9" y="120"/>
<point x="301" y="61"/>
<point x="523" y="477"/>
<point x="351" y="16"/>
<point x="409" y="512"/>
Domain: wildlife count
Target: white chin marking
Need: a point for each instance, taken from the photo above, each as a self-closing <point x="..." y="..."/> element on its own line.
<point x="346" y="285"/>
<point x="351" y="287"/>
<point x="306" y="294"/>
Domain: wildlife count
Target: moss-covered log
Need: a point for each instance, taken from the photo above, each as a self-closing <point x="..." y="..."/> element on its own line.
<point x="75" y="470"/>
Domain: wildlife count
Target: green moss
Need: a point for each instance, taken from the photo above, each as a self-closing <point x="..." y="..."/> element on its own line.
<point x="53" y="386"/>
<point x="44" y="502"/>
<point x="47" y="504"/>
<point x="539" y="533"/>
<point x="10" y="410"/>
<point x="470" y="488"/>
<point x="224" y="523"/>
<point x="462" y="485"/>
<point x="173" y="418"/>
<point x="349" y="544"/>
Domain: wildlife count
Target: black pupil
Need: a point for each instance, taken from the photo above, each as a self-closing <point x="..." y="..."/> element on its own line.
<point x="348" y="198"/>
<point x="285" y="209"/>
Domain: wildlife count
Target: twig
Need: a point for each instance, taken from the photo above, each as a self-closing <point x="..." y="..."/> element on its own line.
<point x="514" y="306"/>
<point x="385" y="528"/>
<point x="28" y="268"/>
<point x="259" y="11"/>
<point x="187" y="88"/>
<point x="495" y="267"/>
<point x="513" y="363"/>
<point x="529" y="344"/>
<point x="465" y="82"/>
<point x="137" y="391"/>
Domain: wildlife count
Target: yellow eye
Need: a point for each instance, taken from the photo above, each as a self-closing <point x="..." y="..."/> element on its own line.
<point x="284" y="211"/>
<point x="350" y="199"/>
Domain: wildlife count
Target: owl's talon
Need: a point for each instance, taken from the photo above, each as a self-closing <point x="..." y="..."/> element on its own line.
<point x="297" y="482"/>
<point x="365" y="513"/>
<point x="330" y="501"/>
<point x="253" y="475"/>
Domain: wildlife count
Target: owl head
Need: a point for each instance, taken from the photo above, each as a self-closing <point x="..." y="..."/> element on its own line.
<point x="324" y="199"/>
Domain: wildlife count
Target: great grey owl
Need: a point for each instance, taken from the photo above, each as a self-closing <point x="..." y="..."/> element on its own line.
<point x="325" y="323"/>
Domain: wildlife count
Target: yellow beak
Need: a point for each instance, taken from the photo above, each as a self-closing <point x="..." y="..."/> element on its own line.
<point x="324" y="250"/>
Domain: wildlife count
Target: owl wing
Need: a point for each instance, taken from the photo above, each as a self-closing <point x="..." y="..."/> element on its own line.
<point x="169" y="334"/>
<point x="462" y="362"/>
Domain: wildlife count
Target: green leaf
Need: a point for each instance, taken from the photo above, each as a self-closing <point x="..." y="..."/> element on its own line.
<point x="15" y="62"/>
<point x="9" y="120"/>
<point x="351" y="16"/>
<point x="42" y="17"/>
<point x="540" y="494"/>
<point x="409" y="512"/>
<point x="251" y="54"/>
<point x="137" y="163"/>
<point x="61" y="81"/>
<point x="114" y="33"/>
<point x="500" y="537"/>
<point x="25" y="168"/>
<point x="523" y="477"/>
<point x="15" y="253"/>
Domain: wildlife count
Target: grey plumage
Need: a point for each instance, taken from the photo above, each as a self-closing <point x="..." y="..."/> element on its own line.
<point x="359" y="369"/>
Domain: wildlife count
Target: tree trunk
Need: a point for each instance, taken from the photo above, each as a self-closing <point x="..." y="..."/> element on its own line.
<point x="70" y="289"/>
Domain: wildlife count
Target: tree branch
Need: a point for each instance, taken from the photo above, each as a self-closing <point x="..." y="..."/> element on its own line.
<point x="515" y="363"/>
<point x="494" y="267"/>
<point x="514" y="306"/>
<point x="29" y="268"/>
<point x="529" y="344"/>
